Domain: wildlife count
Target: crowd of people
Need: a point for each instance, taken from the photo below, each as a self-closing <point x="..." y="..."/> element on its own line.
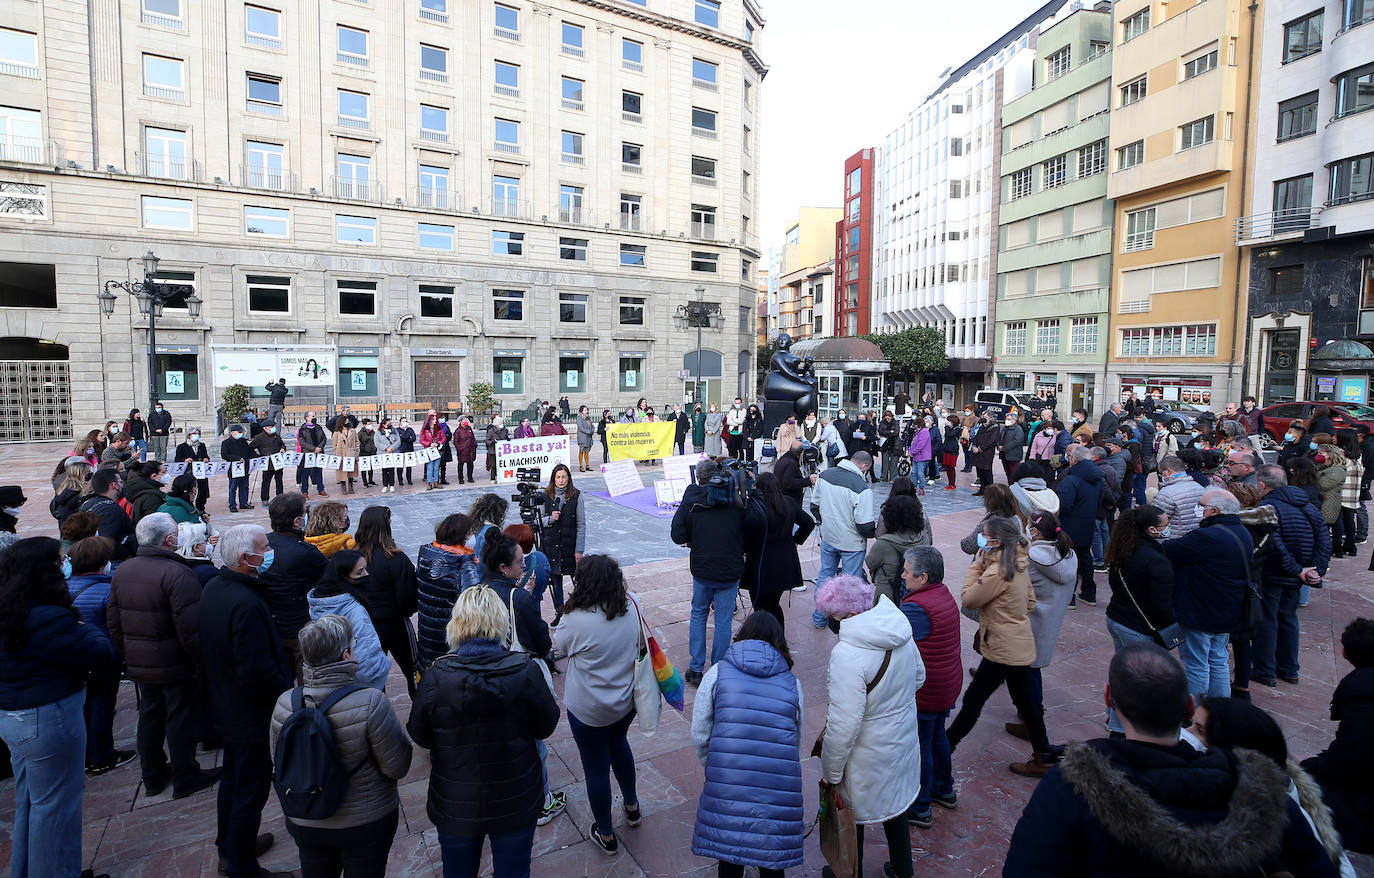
<point x="262" y="641"/>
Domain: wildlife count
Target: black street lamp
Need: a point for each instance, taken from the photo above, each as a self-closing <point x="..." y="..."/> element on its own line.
<point x="698" y="314"/>
<point x="152" y="296"/>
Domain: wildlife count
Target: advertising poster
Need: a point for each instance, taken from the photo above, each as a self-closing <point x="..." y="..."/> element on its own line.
<point x="176" y="382"/>
<point x="544" y="452"/>
<point x="308" y="368"/>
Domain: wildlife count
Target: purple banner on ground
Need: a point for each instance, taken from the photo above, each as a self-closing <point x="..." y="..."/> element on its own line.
<point x="643" y="500"/>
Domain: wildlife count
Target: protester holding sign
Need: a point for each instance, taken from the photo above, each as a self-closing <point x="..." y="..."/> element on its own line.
<point x="194" y="450"/>
<point x="237" y="452"/>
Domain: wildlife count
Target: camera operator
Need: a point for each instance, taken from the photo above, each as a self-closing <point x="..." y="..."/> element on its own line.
<point x="789" y="470"/>
<point x="564" y="536"/>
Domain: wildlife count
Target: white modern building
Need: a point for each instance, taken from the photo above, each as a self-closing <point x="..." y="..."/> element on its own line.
<point x="1309" y="223"/>
<point x="936" y="200"/>
<point x="419" y="195"/>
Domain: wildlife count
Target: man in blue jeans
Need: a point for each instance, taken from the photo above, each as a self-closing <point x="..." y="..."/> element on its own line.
<point x="713" y="527"/>
<point x="1300" y="554"/>
<point x="843" y="504"/>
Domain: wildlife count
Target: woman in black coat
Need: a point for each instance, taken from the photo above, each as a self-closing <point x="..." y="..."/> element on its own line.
<point x="480" y="711"/>
<point x="391" y="597"/>
<point x="1141" y="578"/>
<point x="985" y="444"/>
<point x="753" y="429"/>
<point x="771" y="565"/>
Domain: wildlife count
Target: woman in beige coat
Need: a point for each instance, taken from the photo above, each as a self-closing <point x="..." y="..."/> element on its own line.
<point x="371" y="745"/>
<point x="998" y="585"/>
<point x="346" y="445"/>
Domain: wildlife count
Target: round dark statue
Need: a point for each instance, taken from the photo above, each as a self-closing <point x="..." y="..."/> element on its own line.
<point x="791" y="379"/>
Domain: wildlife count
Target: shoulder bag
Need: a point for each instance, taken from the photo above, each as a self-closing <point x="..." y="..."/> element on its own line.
<point x="654" y="677"/>
<point x="1170" y="636"/>
<point x="1252" y="605"/>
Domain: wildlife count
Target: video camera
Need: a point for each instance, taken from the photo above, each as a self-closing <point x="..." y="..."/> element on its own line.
<point x="810" y="458"/>
<point x="732" y="484"/>
<point x="530" y="498"/>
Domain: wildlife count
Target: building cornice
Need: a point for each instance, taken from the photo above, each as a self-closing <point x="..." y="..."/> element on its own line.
<point x="677" y="25"/>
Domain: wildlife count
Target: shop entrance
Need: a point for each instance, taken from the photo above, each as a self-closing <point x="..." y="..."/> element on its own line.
<point x="35" y="391"/>
<point x="437" y="382"/>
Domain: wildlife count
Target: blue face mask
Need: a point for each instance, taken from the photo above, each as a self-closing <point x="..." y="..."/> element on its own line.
<point x="982" y="541"/>
<point x="1312" y="445"/>
<point x="66" y="568"/>
<point x="266" y="562"/>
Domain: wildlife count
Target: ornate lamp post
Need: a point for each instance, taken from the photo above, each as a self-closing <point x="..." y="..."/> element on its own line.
<point x="698" y="314"/>
<point x="152" y="296"/>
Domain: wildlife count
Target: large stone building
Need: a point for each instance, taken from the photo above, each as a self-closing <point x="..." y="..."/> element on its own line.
<point x="1054" y="257"/>
<point x="1309" y="223"/>
<point x="383" y="201"/>
<point x="1182" y="74"/>
<point x="936" y="202"/>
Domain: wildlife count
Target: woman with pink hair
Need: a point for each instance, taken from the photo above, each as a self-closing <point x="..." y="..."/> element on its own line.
<point x="871" y="749"/>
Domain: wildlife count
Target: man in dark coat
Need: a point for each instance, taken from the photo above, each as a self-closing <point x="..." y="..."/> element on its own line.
<point x="266" y="444"/>
<point x="1110" y="419"/>
<point x="1345" y="769"/>
<point x="159" y="431"/>
<point x="1080" y="496"/>
<point x="1299" y="557"/>
<point x="1151" y="806"/>
<point x="276" y="401"/>
<point x="153" y="622"/>
<point x="107" y="487"/>
<point x="682" y="426"/>
<point x="296" y="567"/>
<point x="236" y="449"/>
<point x="245" y="669"/>
<point x="1211" y="575"/>
<point x="312" y="438"/>
<point x="985" y="444"/>
<point x="789" y="473"/>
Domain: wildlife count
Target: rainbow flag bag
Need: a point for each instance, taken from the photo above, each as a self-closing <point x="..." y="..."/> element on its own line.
<point x="654" y="678"/>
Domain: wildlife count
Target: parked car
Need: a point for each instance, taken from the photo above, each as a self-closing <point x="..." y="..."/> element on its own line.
<point x="1343" y="414"/>
<point x="1180" y="417"/>
<point x="1001" y="401"/>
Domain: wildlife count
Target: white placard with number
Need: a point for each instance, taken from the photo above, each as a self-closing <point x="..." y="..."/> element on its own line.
<point x="622" y="477"/>
<point x="679" y="466"/>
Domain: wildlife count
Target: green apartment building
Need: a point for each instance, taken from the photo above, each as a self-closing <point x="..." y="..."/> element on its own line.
<point x="1055" y="221"/>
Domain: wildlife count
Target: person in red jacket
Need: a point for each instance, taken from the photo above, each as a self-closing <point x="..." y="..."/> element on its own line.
<point x="934" y="618"/>
<point x="465" y="448"/>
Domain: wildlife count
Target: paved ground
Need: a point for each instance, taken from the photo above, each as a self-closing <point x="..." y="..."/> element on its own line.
<point x="130" y="834"/>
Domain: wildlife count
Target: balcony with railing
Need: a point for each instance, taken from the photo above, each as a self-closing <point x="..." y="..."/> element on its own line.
<point x="21" y="149"/>
<point x="267" y="108"/>
<point x="433" y="15"/>
<point x="357" y="189"/>
<point x="430" y="75"/>
<point x="506" y="146"/>
<point x="708" y="133"/>
<point x="631" y="168"/>
<point x="634" y="222"/>
<point x="506" y="91"/>
<point x="1276" y="223"/>
<point x="435" y="136"/>
<point x="168" y="167"/>
<point x="166" y="94"/>
<point x="263" y="177"/>
<point x="506" y="33"/>
<point x="704" y="231"/>
<point x="262" y="42"/>
<point x="575" y="51"/>
<point x="509" y="207"/>
<point x="350" y="58"/>
<point x="570" y="104"/>
<point x="1137" y="241"/>
<point x="10" y="68"/>
<point x="700" y="180"/>
<point x="633" y="66"/>
<point x="573" y="215"/>
<point x="574" y="158"/>
<point x="433" y="197"/>
<point x="166" y="21"/>
<point x="352" y="122"/>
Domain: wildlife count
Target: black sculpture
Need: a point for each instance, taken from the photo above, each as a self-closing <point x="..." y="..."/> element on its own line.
<point x="790" y="379"/>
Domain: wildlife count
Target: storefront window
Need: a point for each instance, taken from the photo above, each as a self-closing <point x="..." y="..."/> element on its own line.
<point x="178" y="376"/>
<point x="829" y="387"/>
<point x="357" y="375"/>
<point x="631" y="374"/>
<point x="508" y="374"/>
<point x="572" y="374"/>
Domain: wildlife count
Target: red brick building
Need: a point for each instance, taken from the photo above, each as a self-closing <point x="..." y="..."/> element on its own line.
<point x="853" y="297"/>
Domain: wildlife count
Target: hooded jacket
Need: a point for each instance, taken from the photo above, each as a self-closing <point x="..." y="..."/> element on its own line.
<point x="1330" y="480"/>
<point x="373" y="663"/>
<point x="153" y="616"/>
<point x="1004" y="607"/>
<point x="367" y="735"/>
<point x="1303" y="541"/>
<point x="296" y="567"/>
<point x="329" y="544"/>
<point x="1052" y="578"/>
<point x="440" y="575"/>
<point x="843" y="504"/>
<point x="1345" y="769"/>
<point x="871" y="751"/>
<point x="1211" y="573"/>
<point x="1127" y="809"/>
<point x="1080" y="497"/>
<point x="145" y="495"/>
<point x="479" y="712"/>
<point x="714" y="535"/>
<point x="746" y="724"/>
<point x="1178" y="498"/>
<point x="885" y="561"/>
<point x="1034" y="497"/>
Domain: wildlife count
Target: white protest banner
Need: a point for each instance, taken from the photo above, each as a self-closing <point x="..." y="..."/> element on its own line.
<point x="679" y="467"/>
<point x="237" y="469"/>
<point x="622" y="477"/>
<point x="279" y="460"/>
<point x="311" y="460"/>
<point x="365" y="464"/>
<point x="221" y="467"/>
<point x="668" y="492"/>
<point x="349" y="463"/>
<point x="433" y="453"/>
<point x="257" y="464"/>
<point x="201" y="470"/>
<point x="176" y="469"/>
<point x="334" y="462"/>
<point x="543" y="452"/>
<point x="410" y="458"/>
<point x="293" y="458"/>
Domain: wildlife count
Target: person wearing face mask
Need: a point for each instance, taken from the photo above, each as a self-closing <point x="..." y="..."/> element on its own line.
<point x="1081" y="427"/>
<point x="266" y="444"/>
<point x="1177" y="497"/>
<point x="341" y="592"/>
<point x="310" y="439"/>
<point x="445" y="447"/>
<point x="1141" y="579"/>
<point x="246" y="669"/>
<point x="407" y="436"/>
<point x="89" y="585"/>
<point x="12" y="500"/>
<point x="346" y="446"/>
<point x="367" y="447"/>
<point x="1294" y="443"/>
<point x="496" y="434"/>
<point x="984" y="445"/>
<point x="715" y="432"/>
<point x="1012" y="444"/>
<point x="1212" y="573"/>
<point x="115" y="523"/>
<point x="154" y="624"/>
<point x="193" y="450"/>
<point x="236" y="449"/>
<point x="159" y="431"/>
<point x="298" y="565"/>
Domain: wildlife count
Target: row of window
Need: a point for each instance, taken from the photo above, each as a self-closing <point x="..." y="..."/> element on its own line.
<point x="1354" y="94"/>
<point x="1049" y="337"/>
<point x="178" y="214"/>
<point x="1055" y="171"/>
<point x="1351" y="180"/>
<point x="1193" y="340"/>
<point x="1302" y="37"/>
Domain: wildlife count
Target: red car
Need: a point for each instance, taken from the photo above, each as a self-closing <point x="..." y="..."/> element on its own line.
<point x="1343" y="414"/>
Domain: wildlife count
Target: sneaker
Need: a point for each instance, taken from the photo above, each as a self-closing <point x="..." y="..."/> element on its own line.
<point x="951" y="488"/>
<point x="1092" y="602"/>
<point x="801" y="587"/>
<point x="120" y="758"/>
<point x="610" y="847"/>
<point x="693" y="678"/>
<point x="950" y="801"/>
<point x="633" y="815"/>
<point x="207" y="778"/>
<point x="553" y="806"/>
<point x="1289" y="679"/>
<point x="1100" y="566"/>
<point x="921" y="821"/>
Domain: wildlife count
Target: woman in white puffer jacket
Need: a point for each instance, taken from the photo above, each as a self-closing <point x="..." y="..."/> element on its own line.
<point x="871" y="750"/>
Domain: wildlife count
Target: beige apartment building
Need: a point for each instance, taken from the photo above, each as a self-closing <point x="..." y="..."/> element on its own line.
<point x="378" y="201"/>
<point x="1179" y="127"/>
<point x="807" y="277"/>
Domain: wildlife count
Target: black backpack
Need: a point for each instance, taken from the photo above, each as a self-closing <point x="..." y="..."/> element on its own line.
<point x="308" y="773"/>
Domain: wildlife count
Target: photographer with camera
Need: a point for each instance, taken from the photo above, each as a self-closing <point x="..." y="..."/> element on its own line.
<point x="711" y="520"/>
